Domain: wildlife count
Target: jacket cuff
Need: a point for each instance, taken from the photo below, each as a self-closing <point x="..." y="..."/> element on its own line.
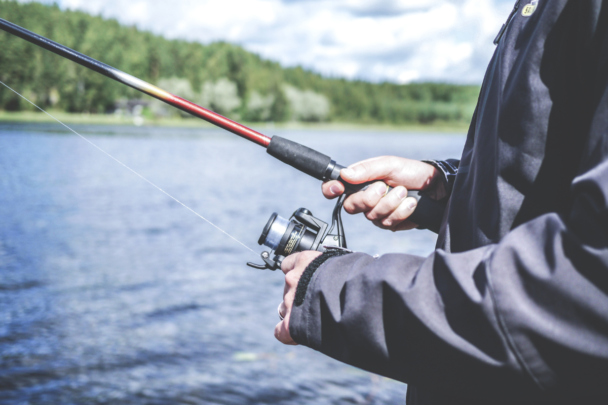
<point x="449" y="170"/>
<point x="310" y="271"/>
<point x="301" y="311"/>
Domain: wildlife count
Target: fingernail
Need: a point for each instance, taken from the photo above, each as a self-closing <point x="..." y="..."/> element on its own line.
<point x="349" y="173"/>
<point x="381" y="189"/>
<point x="401" y="192"/>
<point x="411" y="203"/>
<point x="334" y="190"/>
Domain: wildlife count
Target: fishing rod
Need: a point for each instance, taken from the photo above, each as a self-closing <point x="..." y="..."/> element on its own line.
<point x="302" y="231"/>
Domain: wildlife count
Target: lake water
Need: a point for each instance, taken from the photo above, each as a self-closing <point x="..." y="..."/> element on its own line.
<point x="110" y="292"/>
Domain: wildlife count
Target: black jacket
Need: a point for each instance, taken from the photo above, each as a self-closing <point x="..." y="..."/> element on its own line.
<point x="512" y="307"/>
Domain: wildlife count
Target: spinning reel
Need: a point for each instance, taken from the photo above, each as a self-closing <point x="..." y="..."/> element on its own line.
<point x="301" y="232"/>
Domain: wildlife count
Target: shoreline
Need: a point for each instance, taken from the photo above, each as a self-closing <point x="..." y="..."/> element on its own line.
<point x="31" y="117"/>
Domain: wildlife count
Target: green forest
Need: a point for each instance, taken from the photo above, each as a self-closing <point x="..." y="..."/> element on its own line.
<point x="219" y="75"/>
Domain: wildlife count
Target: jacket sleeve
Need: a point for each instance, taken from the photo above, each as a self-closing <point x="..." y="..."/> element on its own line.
<point x="526" y="315"/>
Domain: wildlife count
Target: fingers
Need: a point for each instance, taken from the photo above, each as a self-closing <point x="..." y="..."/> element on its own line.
<point x="393" y="210"/>
<point x="402" y="226"/>
<point x="377" y="168"/>
<point x="298" y="261"/>
<point x="366" y="200"/>
<point x="332" y="189"/>
<point x="293" y="266"/>
<point x="289" y="263"/>
<point x="388" y="211"/>
<point x="282" y="309"/>
<point x="393" y="170"/>
<point x="387" y="205"/>
<point x="281" y="332"/>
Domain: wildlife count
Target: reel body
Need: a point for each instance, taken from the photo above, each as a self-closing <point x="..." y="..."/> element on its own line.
<point x="302" y="231"/>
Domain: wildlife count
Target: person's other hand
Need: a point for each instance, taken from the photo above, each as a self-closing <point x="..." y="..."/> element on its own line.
<point x="387" y="211"/>
<point x="293" y="266"/>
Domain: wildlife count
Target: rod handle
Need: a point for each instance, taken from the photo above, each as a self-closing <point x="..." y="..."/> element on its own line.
<point x="301" y="157"/>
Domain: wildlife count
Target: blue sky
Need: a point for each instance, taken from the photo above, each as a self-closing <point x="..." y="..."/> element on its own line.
<point x="393" y="40"/>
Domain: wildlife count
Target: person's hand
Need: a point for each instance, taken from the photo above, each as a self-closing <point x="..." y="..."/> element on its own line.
<point x="387" y="211"/>
<point x="293" y="266"/>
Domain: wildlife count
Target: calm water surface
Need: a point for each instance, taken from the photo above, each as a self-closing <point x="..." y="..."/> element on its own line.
<point x="110" y="292"/>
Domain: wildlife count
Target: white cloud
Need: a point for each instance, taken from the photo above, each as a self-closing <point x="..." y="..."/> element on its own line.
<point x="395" y="40"/>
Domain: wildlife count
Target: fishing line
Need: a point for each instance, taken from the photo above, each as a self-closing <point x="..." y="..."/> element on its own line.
<point x="132" y="171"/>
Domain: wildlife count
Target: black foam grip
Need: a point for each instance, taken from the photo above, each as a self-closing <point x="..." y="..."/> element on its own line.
<point x="299" y="156"/>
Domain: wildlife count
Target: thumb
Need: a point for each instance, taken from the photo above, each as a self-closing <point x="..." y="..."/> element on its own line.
<point x="378" y="168"/>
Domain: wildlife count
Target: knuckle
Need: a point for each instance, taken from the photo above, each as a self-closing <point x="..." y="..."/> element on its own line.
<point x="310" y="255"/>
<point x="287" y="264"/>
<point x="366" y="199"/>
<point x="349" y="205"/>
<point x="369" y="199"/>
<point x="395" y="200"/>
<point x="297" y="258"/>
<point x="378" y="224"/>
<point x="357" y="207"/>
<point x="383" y="209"/>
<point x="393" y="204"/>
<point x="291" y="279"/>
<point x="406" y="208"/>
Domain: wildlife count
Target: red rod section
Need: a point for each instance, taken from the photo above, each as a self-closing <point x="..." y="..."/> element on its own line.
<point x="219" y="120"/>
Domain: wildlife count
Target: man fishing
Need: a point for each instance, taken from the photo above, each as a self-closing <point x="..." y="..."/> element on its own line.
<point x="512" y="306"/>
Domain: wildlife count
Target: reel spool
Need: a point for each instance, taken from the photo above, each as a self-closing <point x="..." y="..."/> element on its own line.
<point x="302" y="231"/>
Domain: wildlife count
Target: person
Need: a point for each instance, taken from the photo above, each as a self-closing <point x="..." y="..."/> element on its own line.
<point x="512" y="306"/>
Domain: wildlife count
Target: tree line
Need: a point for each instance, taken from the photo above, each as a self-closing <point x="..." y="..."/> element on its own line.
<point x="219" y="75"/>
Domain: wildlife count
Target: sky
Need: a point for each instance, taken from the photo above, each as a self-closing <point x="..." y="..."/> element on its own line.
<point x="400" y="41"/>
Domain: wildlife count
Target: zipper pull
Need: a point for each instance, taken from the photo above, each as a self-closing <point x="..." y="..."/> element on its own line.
<point x="506" y="24"/>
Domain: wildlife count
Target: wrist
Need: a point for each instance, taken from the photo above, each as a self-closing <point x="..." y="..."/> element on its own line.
<point x="434" y="186"/>
<point x="443" y="177"/>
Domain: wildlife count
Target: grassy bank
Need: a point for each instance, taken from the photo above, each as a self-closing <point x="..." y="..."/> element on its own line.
<point x="111" y="119"/>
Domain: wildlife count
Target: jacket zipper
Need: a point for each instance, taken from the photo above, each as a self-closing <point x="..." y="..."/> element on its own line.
<point x="506" y="24"/>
